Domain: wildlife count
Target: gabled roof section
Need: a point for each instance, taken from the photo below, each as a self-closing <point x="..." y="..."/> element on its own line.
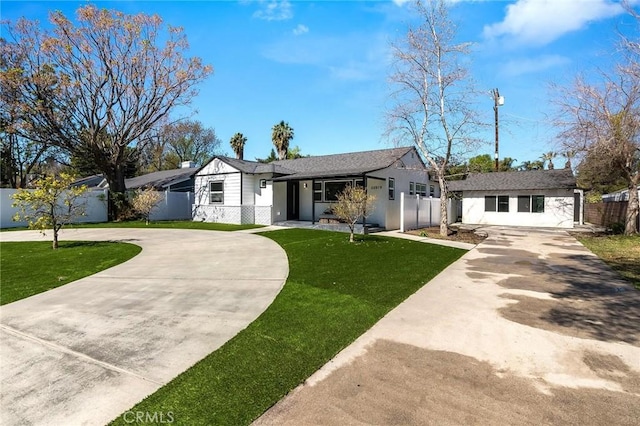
<point x="524" y="180"/>
<point x="160" y="180"/>
<point x="349" y="164"/>
<point x="253" y="167"/>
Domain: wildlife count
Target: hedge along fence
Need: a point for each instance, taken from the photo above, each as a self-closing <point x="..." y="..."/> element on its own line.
<point x="607" y="214"/>
<point x="172" y="206"/>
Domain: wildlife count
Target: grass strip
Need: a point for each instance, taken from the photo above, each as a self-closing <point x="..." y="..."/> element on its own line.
<point x="29" y="268"/>
<point x="621" y="252"/>
<point x="335" y="292"/>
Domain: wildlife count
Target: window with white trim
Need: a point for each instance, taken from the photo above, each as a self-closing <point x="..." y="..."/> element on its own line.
<point x="499" y="203"/>
<point x="216" y="192"/>
<point x="392" y="188"/>
<point x="531" y="203"/>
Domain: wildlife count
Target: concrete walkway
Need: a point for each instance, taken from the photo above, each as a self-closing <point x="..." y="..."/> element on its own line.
<point x="87" y="351"/>
<point x="528" y="328"/>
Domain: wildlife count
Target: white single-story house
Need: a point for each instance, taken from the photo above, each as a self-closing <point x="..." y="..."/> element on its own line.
<point x="539" y="198"/>
<point x="231" y="190"/>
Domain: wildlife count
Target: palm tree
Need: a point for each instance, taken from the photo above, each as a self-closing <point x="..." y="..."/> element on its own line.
<point x="569" y="155"/>
<point x="281" y="135"/>
<point x="549" y="156"/>
<point x="237" y="144"/>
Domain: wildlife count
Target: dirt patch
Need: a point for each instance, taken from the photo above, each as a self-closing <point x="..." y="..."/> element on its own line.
<point x="461" y="235"/>
<point x="589" y="301"/>
<point x="395" y="383"/>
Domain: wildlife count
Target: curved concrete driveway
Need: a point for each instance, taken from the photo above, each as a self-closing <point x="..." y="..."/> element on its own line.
<point x="87" y="351"/>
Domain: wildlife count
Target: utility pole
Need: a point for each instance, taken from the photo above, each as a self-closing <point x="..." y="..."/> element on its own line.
<point x="497" y="101"/>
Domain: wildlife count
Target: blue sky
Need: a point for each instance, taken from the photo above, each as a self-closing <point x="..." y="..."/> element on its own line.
<point x="322" y="65"/>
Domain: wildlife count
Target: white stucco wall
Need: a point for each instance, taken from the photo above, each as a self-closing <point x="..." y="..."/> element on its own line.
<point x="279" y="201"/>
<point x="218" y="170"/>
<point x="306" y="200"/>
<point x="558" y="209"/>
<point x="263" y="196"/>
<point x="410" y="169"/>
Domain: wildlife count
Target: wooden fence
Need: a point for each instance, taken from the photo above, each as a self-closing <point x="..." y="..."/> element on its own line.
<point x="607" y="214"/>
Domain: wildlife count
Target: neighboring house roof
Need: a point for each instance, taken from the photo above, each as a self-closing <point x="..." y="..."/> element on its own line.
<point x="354" y="163"/>
<point x="523" y="180"/>
<point x="95" y="181"/>
<point x="160" y="180"/>
<point x="621" y="195"/>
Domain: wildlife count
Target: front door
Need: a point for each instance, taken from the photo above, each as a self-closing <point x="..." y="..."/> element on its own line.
<point x="293" y="202"/>
<point x="576" y="207"/>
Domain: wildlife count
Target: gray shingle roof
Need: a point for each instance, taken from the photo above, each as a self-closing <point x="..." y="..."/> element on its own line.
<point x="253" y="167"/>
<point x="504" y="181"/>
<point x="349" y="164"/>
<point x="161" y="179"/>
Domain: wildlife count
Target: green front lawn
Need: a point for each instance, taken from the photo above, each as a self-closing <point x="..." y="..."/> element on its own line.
<point x="28" y="268"/>
<point x="621" y="252"/>
<point x="335" y="292"/>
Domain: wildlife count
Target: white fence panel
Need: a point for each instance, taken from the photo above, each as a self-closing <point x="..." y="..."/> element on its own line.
<point x="173" y="206"/>
<point x="417" y="212"/>
<point x="95" y="208"/>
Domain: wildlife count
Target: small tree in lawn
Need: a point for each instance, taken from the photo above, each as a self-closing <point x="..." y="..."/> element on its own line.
<point x="144" y="201"/>
<point x="53" y="204"/>
<point x="353" y="203"/>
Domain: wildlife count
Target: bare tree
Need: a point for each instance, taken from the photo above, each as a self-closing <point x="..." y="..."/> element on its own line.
<point x="599" y="120"/>
<point x="432" y="93"/>
<point x="103" y="83"/>
<point x="602" y="121"/>
<point x="20" y="154"/>
<point x="353" y="204"/>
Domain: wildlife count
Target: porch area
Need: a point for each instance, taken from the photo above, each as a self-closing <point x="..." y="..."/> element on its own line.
<point x="338" y="227"/>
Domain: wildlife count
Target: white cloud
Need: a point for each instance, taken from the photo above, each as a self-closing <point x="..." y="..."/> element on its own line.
<point x="300" y="29"/>
<point x="516" y="67"/>
<point x="538" y="22"/>
<point x="274" y="10"/>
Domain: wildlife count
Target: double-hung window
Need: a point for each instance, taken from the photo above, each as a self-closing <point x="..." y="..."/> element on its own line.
<point x="216" y="192"/>
<point x="392" y="189"/>
<point x="498" y="203"/>
<point x="531" y="203"/>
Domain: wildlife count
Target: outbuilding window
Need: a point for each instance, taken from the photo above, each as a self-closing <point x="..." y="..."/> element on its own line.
<point x="216" y="192"/>
<point x="498" y="203"/>
<point x="392" y="189"/>
<point x="503" y="203"/>
<point x="531" y="203"/>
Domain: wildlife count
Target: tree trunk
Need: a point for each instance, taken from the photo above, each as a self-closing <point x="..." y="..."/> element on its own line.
<point x="56" y="228"/>
<point x="632" y="208"/>
<point x="117" y="189"/>
<point x="444" y="226"/>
